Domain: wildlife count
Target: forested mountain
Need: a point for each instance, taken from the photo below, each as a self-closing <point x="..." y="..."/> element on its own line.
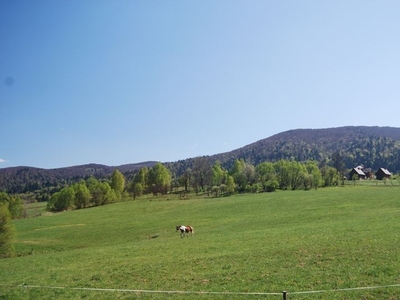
<point x="374" y="147"/>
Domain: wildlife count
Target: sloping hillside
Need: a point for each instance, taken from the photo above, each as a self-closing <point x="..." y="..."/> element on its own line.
<point x="374" y="147"/>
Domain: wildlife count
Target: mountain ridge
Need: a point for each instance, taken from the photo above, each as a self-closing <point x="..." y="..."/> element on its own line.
<point x="355" y="143"/>
<point x="373" y="146"/>
<point x="322" y="135"/>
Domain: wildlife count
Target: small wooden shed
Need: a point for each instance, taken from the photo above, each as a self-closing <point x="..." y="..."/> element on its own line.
<point x="383" y="173"/>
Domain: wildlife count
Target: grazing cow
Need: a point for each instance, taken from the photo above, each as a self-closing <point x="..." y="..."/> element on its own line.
<point x="185" y="230"/>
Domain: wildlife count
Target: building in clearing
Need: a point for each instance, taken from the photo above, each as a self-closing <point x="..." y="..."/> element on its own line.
<point x="358" y="171"/>
<point x="383" y="173"/>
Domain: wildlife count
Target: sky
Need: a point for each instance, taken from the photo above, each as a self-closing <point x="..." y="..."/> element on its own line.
<point x="128" y="81"/>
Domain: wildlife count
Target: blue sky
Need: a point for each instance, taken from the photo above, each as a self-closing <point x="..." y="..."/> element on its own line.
<point x="118" y="82"/>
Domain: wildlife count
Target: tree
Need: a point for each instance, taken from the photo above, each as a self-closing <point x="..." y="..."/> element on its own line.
<point x="265" y="171"/>
<point x="109" y="194"/>
<point x="329" y="174"/>
<point x="307" y="181"/>
<point x="297" y="173"/>
<point x="271" y="185"/>
<point x="137" y="190"/>
<point x="15" y="207"/>
<point x="13" y="204"/>
<point x="185" y="179"/>
<point x="222" y="182"/>
<point x="101" y="192"/>
<point x="51" y="203"/>
<point x="218" y="174"/>
<point x="62" y="200"/>
<point x="315" y="174"/>
<point x="244" y="175"/>
<point x="4" y="198"/>
<point x="230" y="185"/>
<point x="7" y="233"/>
<point x="202" y="173"/>
<point x="239" y="175"/>
<point x="267" y="177"/>
<point x="283" y="174"/>
<point x="159" y="179"/>
<point x="82" y="195"/>
<point x="338" y="162"/>
<point x="250" y="173"/>
<point x="96" y="192"/>
<point x="142" y="178"/>
<point x="216" y="190"/>
<point x="118" y="183"/>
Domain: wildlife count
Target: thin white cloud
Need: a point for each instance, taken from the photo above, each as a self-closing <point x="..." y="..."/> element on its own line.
<point x="2" y="160"/>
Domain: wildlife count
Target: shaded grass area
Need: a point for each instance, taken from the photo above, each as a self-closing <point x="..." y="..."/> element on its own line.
<point x="35" y="209"/>
<point x="328" y="239"/>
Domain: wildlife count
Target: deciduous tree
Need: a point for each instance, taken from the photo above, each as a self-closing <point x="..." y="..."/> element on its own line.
<point x="137" y="190"/>
<point x="218" y="174"/>
<point x="62" y="200"/>
<point x="102" y="193"/>
<point x="82" y="195"/>
<point x="142" y="177"/>
<point x="202" y="173"/>
<point x="244" y="175"/>
<point x="237" y="172"/>
<point x="13" y="203"/>
<point x="329" y="176"/>
<point x="282" y="173"/>
<point x="185" y="179"/>
<point x="159" y="179"/>
<point x="230" y="185"/>
<point x="7" y="233"/>
<point x="267" y="177"/>
<point x="315" y="174"/>
<point x="118" y="183"/>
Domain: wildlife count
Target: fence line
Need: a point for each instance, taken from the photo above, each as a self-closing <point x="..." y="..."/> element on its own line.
<point x="146" y="291"/>
<point x="284" y="293"/>
<point x="346" y="289"/>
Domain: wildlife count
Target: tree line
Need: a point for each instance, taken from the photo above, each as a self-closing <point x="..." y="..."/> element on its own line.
<point x="87" y="193"/>
<point x="203" y="177"/>
<point x="242" y="177"/>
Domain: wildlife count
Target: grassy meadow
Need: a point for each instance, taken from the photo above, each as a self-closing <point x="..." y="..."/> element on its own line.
<point x="298" y="241"/>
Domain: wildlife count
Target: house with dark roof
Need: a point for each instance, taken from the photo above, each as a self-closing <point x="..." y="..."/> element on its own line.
<point x="383" y="173"/>
<point x="358" y="171"/>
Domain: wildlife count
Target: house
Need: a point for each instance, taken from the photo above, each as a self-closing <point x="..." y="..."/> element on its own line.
<point x="358" y="171"/>
<point x="383" y="173"/>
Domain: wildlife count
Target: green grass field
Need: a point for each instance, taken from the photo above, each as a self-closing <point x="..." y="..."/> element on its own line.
<point x="329" y="239"/>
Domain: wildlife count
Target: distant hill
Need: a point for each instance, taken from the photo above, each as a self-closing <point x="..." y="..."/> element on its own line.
<point x="373" y="147"/>
<point x="28" y="179"/>
<point x="370" y="146"/>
